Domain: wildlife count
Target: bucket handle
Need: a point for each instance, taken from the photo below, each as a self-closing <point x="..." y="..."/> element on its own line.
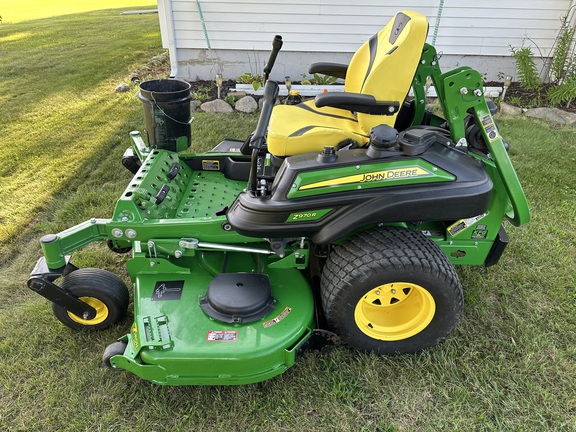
<point x="171" y="118"/>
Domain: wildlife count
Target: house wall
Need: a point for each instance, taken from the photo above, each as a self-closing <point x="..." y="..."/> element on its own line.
<point x="478" y="34"/>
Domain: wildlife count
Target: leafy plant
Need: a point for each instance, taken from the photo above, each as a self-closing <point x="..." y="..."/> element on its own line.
<point x="257" y="81"/>
<point x="318" y="79"/>
<point x="563" y="93"/>
<point x="231" y="100"/>
<point x="562" y="66"/>
<point x="562" y="72"/>
<point x="202" y="94"/>
<point x="324" y="79"/>
<point x="515" y="100"/>
<point x="526" y="67"/>
<point x="305" y="80"/>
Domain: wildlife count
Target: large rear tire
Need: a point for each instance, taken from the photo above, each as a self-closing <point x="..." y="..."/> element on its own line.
<point x="102" y="290"/>
<point x="390" y="291"/>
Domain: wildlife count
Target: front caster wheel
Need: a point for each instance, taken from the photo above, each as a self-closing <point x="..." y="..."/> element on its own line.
<point x="390" y="291"/>
<point x="102" y="290"/>
<point x="115" y="348"/>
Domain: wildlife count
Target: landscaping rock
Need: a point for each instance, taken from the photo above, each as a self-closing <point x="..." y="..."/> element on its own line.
<point x="216" y="106"/>
<point x="569" y="117"/>
<point x="552" y="114"/>
<point x="194" y="105"/>
<point x="510" y="110"/>
<point x="246" y="105"/>
<point x="122" y="88"/>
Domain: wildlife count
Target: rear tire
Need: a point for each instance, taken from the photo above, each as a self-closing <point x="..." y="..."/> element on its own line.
<point x="390" y="291"/>
<point x="102" y="290"/>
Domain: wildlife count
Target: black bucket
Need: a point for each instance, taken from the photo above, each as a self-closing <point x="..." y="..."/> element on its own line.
<point x="167" y="113"/>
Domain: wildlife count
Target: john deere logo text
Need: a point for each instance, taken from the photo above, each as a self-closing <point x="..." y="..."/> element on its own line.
<point x="394" y="174"/>
<point x="375" y="176"/>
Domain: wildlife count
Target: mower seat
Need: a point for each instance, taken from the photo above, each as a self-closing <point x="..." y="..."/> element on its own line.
<point x="377" y="81"/>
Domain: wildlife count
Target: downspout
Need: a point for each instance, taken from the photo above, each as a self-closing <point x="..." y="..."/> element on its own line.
<point x="165" y="12"/>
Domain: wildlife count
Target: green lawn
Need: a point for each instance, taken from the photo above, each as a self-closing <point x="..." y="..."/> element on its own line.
<point x="510" y="365"/>
<point x="27" y="10"/>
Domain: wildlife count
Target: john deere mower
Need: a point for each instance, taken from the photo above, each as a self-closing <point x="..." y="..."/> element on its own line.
<point x="339" y="219"/>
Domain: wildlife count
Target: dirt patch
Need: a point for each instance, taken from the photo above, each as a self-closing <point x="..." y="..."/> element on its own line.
<point x="523" y="98"/>
<point x="205" y="90"/>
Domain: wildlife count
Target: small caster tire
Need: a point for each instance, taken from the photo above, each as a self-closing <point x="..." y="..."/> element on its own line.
<point x="102" y="290"/>
<point x="115" y="348"/>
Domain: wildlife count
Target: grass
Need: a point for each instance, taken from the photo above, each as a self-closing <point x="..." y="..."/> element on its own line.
<point x="28" y="10"/>
<point x="510" y="365"/>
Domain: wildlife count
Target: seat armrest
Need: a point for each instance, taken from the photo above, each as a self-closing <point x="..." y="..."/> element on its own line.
<point x="337" y="70"/>
<point x="356" y="102"/>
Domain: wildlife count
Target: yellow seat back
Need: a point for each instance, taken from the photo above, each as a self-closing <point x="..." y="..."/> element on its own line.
<point x="384" y="66"/>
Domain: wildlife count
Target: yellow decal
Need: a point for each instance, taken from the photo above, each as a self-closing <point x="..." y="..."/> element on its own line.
<point x="392" y="174"/>
<point x="134" y="332"/>
<point x="490" y="128"/>
<point x="211" y="165"/>
<point x="459" y="226"/>
<point x="279" y="318"/>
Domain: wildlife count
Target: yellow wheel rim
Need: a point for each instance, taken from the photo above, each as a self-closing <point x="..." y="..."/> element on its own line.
<point x="394" y="311"/>
<point x="101" y="312"/>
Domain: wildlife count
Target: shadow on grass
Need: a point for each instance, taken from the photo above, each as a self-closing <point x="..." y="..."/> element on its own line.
<point x="70" y="53"/>
<point x="56" y="93"/>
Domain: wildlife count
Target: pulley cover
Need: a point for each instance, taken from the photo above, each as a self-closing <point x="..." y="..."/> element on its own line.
<point x="238" y="297"/>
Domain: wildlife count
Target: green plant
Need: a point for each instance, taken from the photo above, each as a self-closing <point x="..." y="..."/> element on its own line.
<point x="563" y="93"/>
<point x="257" y="81"/>
<point x="515" y="100"/>
<point x="324" y="79"/>
<point x="318" y="79"/>
<point x="562" y="66"/>
<point x="202" y="94"/>
<point x="231" y="100"/>
<point x="526" y="67"/>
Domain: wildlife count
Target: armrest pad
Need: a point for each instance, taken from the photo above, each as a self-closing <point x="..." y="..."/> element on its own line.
<point x="337" y="70"/>
<point x="356" y="102"/>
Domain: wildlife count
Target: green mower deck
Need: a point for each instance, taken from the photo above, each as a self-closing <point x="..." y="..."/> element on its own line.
<point x="173" y="341"/>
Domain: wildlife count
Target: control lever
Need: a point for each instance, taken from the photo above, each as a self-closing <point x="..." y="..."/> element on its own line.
<point x="276" y="45"/>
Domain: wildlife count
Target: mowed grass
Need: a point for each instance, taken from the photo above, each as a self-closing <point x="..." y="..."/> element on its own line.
<point x="27" y="10"/>
<point x="56" y="85"/>
<point x="510" y="364"/>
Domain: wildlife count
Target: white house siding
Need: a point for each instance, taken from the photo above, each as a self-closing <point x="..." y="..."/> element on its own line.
<point x="240" y="32"/>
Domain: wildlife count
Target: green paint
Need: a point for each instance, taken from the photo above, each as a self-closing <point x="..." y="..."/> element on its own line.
<point x="170" y="341"/>
<point x="368" y="176"/>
